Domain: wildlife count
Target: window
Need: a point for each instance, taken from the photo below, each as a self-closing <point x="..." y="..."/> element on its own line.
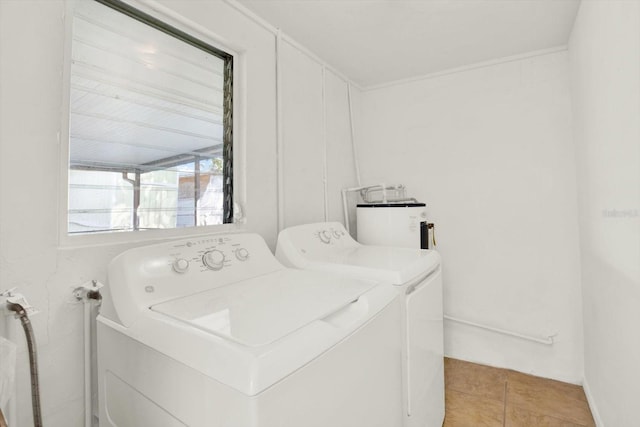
<point x="150" y="128"/>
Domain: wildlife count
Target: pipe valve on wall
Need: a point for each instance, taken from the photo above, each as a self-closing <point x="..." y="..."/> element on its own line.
<point x="88" y="291"/>
<point x="10" y="296"/>
<point x="18" y="304"/>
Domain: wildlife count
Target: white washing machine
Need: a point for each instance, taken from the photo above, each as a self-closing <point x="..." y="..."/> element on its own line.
<point x="415" y="275"/>
<point x="213" y="331"/>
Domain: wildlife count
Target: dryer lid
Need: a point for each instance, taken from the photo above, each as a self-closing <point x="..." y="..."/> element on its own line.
<point x="394" y="265"/>
<point x="328" y="247"/>
<point x="261" y="310"/>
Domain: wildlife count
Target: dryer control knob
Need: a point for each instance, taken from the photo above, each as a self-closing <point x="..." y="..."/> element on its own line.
<point x="213" y="260"/>
<point x="337" y="234"/>
<point x="180" y="265"/>
<point x="324" y="236"/>
<point x="242" y="254"/>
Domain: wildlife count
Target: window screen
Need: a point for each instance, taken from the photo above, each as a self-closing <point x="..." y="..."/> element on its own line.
<point x="150" y="127"/>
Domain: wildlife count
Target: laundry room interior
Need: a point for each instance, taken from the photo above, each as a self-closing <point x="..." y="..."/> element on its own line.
<point x="515" y="125"/>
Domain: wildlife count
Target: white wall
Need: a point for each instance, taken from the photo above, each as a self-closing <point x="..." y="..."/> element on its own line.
<point x="317" y="153"/>
<point x="489" y="151"/>
<point x="303" y="142"/>
<point x="340" y="170"/>
<point x="605" y="76"/>
<point x="32" y="39"/>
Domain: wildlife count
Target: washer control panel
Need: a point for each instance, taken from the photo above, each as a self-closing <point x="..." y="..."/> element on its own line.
<point x="213" y="259"/>
<point x="330" y="234"/>
<point x="242" y="254"/>
<point x="147" y="275"/>
<point x="180" y="265"/>
<point x="210" y="254"/>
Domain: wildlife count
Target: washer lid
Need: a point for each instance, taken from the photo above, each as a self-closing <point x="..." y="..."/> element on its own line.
<point x="261" y="310"/>
<point x="392" y="205"/>
<point x="303" y="314"/>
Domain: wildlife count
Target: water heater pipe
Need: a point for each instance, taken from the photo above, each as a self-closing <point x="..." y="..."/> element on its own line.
<point x="88" y="294"/>
<point x="325" y="153"/>
<point x="279" y="132"/>
<point x="548" y="340"/>
<point x="345" y="210"/>
<point x="87" y="364"/>
<point x="356" y="164"/>
<point x="345" y="207"/>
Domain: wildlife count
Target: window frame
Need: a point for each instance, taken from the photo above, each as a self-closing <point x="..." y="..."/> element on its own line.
<point x="173" y="24"/>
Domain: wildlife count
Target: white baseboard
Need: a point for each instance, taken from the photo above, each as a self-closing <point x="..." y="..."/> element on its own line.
<point x="592" y="404"/>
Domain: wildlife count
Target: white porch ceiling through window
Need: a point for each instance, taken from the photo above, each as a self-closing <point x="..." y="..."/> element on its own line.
<point x="139" y="97"/>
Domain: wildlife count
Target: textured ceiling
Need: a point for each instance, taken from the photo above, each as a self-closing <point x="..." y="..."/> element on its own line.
<point x="378" y="41"/>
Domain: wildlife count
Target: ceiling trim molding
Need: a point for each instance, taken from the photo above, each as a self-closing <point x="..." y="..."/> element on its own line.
<point x="319" y="60"/>
<point x="251" y="15"/>
<point x="287" y="38"/>
<point x="477" y="65"/>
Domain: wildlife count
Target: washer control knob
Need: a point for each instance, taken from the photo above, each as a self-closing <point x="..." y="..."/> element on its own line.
<point x="242" y="254"/>
<point x="324" y="236"/>
<point x="337" y="234"/>
<point x="213" y="260"/>
<point x="180" y="265"/>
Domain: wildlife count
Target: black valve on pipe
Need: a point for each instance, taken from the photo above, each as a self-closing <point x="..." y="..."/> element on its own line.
<point x="425" y="234"/>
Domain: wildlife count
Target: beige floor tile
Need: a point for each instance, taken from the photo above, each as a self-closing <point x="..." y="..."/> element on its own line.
<point x="466" y="410"/>
<point x="571" y="390"/>
<point x="478" y="380"/>
<point x="518" y="417"/>
<point x="548" y="397"/>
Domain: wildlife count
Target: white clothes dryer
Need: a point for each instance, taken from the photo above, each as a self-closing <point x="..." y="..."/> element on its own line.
<point x="415" y="275"/>
<point x="213" y="331"/>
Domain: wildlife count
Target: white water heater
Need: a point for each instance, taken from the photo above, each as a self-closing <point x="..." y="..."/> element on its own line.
<point x="393" y="224"/>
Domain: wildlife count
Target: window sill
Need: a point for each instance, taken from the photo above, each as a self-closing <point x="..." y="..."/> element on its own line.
<point x="148" y="236"/>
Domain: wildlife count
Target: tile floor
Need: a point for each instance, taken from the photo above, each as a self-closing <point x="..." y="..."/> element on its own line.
<point x="482" y="396"/>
